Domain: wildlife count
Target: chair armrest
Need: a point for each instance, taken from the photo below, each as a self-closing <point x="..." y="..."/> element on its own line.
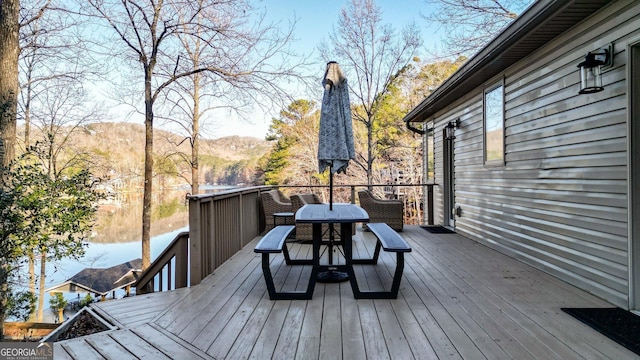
<point x="388" y="202"/>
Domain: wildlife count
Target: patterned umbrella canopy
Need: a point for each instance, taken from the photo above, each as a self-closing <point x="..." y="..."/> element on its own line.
<point x="335" y="141"/>
<point x="335" y="144"/>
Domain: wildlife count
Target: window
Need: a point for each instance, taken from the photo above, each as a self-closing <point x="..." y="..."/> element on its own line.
<point x="494" y="125"/>
<point x="430" y="149"/>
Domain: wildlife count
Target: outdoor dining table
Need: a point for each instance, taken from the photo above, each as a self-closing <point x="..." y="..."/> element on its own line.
<point x="343" y="214"/>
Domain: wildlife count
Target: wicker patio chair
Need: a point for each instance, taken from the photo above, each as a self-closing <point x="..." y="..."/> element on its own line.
<point x="304" y="232"/>
<point x="386" y="211"/>
<point x="274" y="201"/>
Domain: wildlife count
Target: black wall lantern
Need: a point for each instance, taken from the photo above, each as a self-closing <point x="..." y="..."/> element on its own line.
<point x="450" y="129"/>
<point x="591" y="70"/>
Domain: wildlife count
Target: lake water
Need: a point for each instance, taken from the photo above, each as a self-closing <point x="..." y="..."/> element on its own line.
<point x="101" y="255"/>
<point x="117" y="236"/>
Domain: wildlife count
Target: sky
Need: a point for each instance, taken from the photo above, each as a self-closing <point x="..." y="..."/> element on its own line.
<point x="315" y="21"/>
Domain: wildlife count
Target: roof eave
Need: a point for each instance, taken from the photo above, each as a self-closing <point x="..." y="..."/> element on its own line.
<point x="493" y="59"/>
<point x="77" y="285"/>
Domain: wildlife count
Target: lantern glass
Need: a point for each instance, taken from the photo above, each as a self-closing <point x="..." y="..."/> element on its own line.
<point x="590" y="79"/>
<point x="591" y="70"/>
<point x="450" y="129"/>
<point x="449" y="132"/>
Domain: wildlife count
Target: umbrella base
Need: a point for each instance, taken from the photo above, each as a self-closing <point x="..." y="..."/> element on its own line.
<point x="332" y="276"/>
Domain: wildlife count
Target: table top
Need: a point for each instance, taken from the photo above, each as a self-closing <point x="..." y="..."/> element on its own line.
<point x="341" y="213"/>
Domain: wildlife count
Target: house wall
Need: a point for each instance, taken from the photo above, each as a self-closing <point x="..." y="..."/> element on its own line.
<point x="560" y="201"/>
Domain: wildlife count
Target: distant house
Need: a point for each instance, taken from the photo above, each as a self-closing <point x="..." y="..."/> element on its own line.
<point x="527" y="165"/>
<point x="101" y="281"/>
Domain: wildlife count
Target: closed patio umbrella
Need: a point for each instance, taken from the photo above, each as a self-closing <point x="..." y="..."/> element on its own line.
<point x="335" y="141"/>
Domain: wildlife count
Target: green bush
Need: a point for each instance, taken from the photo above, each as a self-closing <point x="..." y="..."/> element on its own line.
<point x="85" y="301"/>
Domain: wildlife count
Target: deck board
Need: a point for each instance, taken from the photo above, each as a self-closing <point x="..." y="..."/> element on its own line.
<point x="109" y="348"/>
<point x="81" y="350"/>
<point x="173" y="348"/>
<point x="309" y="340"/>
<point x="522" y="289"/>
<point x="372" y="331"/>
<point x="287" y="343"/>
<point x="138" y="309"/>
<point x="458" y="300"/>
<point x="267" y="332"/>
<point x="467" y="300"/>
<point x="353" y="341"/>
<point x="395" y="338"/>
<point x="60" y="353"/>
<point x="331" y="330"/>
<point x="250" y="327"/>
<point x="142" y="348"/>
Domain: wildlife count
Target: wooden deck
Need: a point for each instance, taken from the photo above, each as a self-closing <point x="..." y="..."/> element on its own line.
<point x="458" y="300"/>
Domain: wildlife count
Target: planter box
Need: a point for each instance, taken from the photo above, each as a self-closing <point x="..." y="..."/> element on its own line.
<point x="84" y="322"/>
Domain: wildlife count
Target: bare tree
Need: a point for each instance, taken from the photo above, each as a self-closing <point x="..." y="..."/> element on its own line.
<point x="468" y="25"/>
<point x="304" y="120"/>
<point x="251" y="57"/>
<point x="371" y="53"/>
<point x="193" y="100"/>
<point x="56" y="116"/>
<point x="52" y="67"/>
<point x="49" y="50"/>
<point x="13" y="20"/>
<point x="10" y="24"/>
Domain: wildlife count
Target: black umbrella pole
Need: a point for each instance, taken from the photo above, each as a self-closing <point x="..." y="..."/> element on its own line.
<point x="330" y="190"/>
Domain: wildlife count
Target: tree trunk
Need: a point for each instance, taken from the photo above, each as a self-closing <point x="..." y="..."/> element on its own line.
<point x="27" y="126"/>
<point x="4" y="294"/>
<point x="195" y="129"/>
<point x="148" y="171"/>
<point x="32" y="279"/>
<point x="9" y="51"/>
<point x="60" y="315"/>
<point x="27" y="113"/>
<point x="43" y="278"/>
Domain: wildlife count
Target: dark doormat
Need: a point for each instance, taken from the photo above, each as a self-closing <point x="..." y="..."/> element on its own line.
<point x="618" y="325"/>
<point x="438" y="230"/>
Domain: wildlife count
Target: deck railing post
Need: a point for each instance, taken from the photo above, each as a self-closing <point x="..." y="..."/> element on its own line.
<point x="182" y="263"/>
<point x="196" y="243"/>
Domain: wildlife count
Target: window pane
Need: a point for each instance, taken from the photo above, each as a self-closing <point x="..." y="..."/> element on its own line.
<point x="494" y="125"/>
<point x="430" y="154"/>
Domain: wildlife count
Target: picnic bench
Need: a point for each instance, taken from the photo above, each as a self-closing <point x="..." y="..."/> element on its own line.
<point x="389" y="240"/>
<point x="274" y="242"/>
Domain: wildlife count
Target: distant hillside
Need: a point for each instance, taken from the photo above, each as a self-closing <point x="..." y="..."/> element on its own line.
<point x="131" y="136"/>
<point x="117" y="150"/>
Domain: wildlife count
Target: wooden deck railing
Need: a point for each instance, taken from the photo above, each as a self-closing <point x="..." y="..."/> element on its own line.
<point x="170" y="270"/>
<point x="220" y="225"/>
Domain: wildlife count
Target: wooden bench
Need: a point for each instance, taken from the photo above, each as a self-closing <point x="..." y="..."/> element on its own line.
<point x="274" y="242"/>
<point x="389" y="240"/>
